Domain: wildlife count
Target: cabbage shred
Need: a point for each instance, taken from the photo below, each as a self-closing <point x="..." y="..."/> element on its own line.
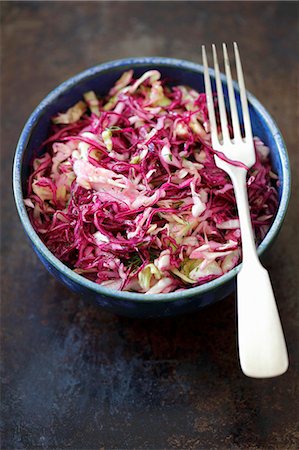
<point x="127" y="193"/>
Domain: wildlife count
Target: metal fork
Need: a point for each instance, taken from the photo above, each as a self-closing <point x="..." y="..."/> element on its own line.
<point x="262" y="348"/>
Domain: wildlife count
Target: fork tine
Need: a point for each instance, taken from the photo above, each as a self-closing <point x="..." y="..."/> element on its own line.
<point x="231" y="95"/>
<point x="210" y="102"/>
<point x="245" y="112"/>
<point x="222" y="109"/>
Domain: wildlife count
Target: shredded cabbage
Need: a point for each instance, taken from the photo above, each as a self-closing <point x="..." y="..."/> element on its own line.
<point x="127" y="193"/>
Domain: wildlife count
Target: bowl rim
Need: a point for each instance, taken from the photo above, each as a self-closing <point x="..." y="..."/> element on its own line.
<point x="134" y="296"/>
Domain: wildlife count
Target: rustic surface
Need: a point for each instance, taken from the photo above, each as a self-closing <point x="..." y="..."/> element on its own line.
<point x="76" y="377"/>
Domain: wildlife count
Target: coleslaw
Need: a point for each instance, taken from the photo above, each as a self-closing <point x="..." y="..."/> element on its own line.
<point x="127" y="193"/>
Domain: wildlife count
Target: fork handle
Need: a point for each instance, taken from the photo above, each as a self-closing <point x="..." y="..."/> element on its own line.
<point x="262" y="347"/>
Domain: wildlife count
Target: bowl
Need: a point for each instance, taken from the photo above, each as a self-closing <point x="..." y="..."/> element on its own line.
<point x="100" y="78"/>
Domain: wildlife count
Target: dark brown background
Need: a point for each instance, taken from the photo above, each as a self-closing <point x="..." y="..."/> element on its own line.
<point x="79" y="378"/>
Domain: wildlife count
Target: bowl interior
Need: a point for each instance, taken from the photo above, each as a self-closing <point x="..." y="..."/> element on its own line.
<point x="100" y="79"/>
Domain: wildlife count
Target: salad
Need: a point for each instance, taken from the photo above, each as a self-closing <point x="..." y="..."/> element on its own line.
<point x="127" y="193"/>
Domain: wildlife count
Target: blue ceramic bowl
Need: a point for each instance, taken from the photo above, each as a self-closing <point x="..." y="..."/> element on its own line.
<point x="100" y="79"/>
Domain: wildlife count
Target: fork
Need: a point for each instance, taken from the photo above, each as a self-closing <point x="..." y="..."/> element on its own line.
<point x="262" y="347"/>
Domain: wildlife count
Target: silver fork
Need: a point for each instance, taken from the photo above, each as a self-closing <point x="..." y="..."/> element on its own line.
<point x="262" y="348"/>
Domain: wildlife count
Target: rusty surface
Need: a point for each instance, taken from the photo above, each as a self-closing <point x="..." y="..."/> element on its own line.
<point x="75" y="377"/>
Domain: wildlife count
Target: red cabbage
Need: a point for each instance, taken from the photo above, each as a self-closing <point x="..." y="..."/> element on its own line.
<point x="128" y="195"/>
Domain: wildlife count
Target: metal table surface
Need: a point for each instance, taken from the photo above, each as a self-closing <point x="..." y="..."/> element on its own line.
<point x="75" y="377"/>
